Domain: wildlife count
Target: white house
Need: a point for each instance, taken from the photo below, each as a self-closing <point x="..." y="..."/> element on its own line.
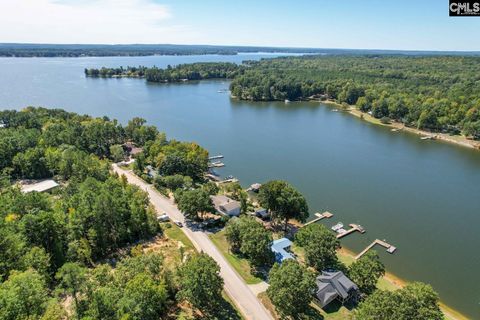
<point x="225" y="205"/>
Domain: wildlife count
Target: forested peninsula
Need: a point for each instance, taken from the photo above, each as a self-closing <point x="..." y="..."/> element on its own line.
<point x="91" y="247"/>
<point x="432" y="93"/>
<point x="179" y="73"/>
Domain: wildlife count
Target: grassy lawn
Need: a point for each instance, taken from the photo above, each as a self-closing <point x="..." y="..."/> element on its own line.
<point x="334" y="312"/>
<point x="177" y="234"/>
<point x="383" y="283"/>
<point x="239" y="264"/>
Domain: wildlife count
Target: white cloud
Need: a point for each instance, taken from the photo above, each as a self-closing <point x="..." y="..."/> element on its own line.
<point x="91" y="21"/>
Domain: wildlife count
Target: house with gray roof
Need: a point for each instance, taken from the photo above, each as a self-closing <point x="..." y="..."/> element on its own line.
<point x="226" y="206"/>
<point x="334" y="286"/>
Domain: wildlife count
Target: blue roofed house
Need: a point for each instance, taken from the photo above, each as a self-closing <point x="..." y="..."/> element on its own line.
<point x="281" y="249"/>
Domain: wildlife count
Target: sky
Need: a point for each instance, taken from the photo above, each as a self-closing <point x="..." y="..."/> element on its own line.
<point x="366" y="24"/>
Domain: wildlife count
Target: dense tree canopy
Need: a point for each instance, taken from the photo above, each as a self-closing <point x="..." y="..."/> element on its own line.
<point x="176" y="157"/>
<point x="200" y="282"/>
<point x="291" y="287"/>
<point x="366" y="271"/>
<point x="320" y="245"/>
<point x="194" y="203"/>
<point x="181" y="72"/>
<point x="415" y="301"/>
<point x="249" y="237"/>
<point x="283" y="201"/>
<point x="52" y="244"/>
<point x="438" y="93"/>
<point x="23" y="296"/>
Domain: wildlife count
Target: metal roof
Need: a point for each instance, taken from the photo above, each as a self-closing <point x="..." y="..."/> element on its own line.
<point x="278" y="248"/>
<point x="40" y="186"/>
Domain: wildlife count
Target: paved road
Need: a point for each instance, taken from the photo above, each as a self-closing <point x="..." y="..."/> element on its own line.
<point x="236" y="288"/>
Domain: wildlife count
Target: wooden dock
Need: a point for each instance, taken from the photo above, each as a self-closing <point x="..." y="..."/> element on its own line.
<point x="353" y="227"/>
<point x="212" y="177"/>
<point x="228" y="180"/>
<point x="216" y="164"/>
<point x="319" y="216"/>
<point x="389" y="247"/>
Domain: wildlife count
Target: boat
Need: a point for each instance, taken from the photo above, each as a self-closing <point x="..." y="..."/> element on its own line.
<point x="287" y="101"/>
<point x="337" y="227"/>
<point x="395" y="129"/>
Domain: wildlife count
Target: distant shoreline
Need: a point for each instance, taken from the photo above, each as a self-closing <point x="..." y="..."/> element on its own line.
<point x="455" y="139"/>
<point x="398" y="282"/>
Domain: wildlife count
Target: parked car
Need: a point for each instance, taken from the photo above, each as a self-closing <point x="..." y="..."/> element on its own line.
<point x="178" y="223"/>
<point x="163" y="218"/>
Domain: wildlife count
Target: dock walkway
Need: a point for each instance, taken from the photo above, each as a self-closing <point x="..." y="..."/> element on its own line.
<point x="389" y="247"/>
<point x="353" y="227"/>
<point x="319" y="216"/>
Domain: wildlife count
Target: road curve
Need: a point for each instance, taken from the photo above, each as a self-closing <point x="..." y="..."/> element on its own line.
<point x="236" y="288"/>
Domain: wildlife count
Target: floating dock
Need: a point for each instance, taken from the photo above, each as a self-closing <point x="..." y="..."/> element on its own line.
<point x="389" y="247"/>
<point x="212" y="177"/>
<point x="353" y="227"/>
<point x="319" y="216"/>
<point x="217" y="164"/>
<point x="220" y="156"/>
<point x="228" y="180"/>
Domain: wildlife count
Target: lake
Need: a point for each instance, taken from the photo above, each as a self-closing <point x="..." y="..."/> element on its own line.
<point x="421" y="196"/>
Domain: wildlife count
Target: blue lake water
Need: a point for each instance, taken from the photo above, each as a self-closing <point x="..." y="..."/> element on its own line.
<point x="421" y="196"/>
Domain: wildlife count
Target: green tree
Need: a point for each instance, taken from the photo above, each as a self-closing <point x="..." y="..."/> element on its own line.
<point x="143" y="299"/>
<point x="200" y="282"/>
<point x="248" y="237"/>
<point x="173" y="183"/>
<point x="415" y="301"/>
<point x="366" y="271"/>
<point x="116" y="153"/>
<point x="320" y="246"/>
<point x="71" y="279"/>
<point x="23" y="296"/>
<point x="31" y="164"/>
<point x="47" y="230"/>
<point x="38" y="260"/>
<point x="284" y="201"/>
<point x="194" y="202"/>
<point x="256" y="242"/>
<point x="291" y="287"/>
<point x="12" y="248"/>
<point x="233" y="233"/>
<point x="54" y="311"/>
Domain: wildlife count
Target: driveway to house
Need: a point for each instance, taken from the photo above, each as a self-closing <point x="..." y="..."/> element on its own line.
<point x="236" y="288"/>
